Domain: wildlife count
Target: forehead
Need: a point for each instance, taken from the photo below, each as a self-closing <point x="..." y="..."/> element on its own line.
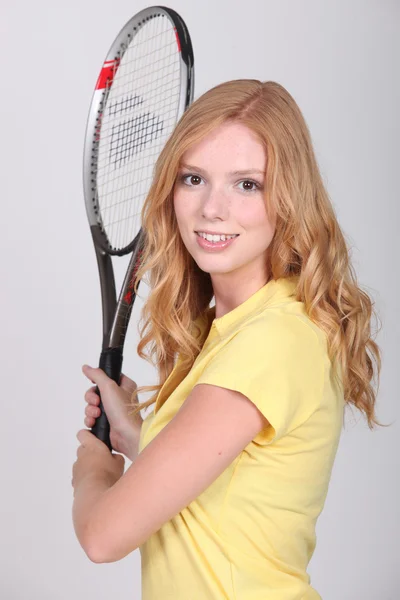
<point x="231" y="146"/>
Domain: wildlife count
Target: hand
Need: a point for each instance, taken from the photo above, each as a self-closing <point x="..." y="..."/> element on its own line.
<point x="95" y="460"/>
<point x="116" y="399"/>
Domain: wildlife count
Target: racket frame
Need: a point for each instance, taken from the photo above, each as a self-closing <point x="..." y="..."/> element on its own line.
<point x="99" y="101"/>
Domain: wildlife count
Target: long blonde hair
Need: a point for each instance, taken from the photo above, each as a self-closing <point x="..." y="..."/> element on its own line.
<point x="308" y="242"/>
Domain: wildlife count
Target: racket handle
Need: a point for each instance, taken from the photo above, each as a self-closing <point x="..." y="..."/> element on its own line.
<point x="111" y="363"/>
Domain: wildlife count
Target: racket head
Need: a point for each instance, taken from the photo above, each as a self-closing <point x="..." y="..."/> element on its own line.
<point x="145" y="85"/>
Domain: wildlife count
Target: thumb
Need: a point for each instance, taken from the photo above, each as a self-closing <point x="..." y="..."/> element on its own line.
<point x="97" y="376"/>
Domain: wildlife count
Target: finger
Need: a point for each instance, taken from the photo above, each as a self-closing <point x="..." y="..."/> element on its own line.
<point x="125" y="380"/>
<point x="127" y="384"/>
<point x="92" y="411"/>
<point x="91" y="397"/>
<point x="89" y="422"/>
<point x="91" y="389"/>
<point x="85" y="437"/>
<point x="97" y="376"/>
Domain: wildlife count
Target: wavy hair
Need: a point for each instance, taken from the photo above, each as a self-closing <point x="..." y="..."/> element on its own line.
<point x="308" y="242"/>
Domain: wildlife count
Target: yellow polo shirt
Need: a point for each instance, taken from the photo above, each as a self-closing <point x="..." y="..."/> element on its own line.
<point x="251" y="534"/>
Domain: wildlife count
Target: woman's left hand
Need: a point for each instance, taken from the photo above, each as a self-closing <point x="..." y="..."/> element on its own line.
<point x="95" y="459"/>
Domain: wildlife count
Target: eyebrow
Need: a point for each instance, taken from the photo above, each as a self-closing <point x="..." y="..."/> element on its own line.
<point x="243" y="172"/>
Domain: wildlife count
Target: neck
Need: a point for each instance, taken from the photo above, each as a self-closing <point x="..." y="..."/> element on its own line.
<point x="232" y="293"/>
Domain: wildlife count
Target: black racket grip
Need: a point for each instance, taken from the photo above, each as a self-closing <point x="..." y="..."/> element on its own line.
<point x="111" y="363"/>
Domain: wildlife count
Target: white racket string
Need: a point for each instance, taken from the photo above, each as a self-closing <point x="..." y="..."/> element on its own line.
<point x="139" y="115"/>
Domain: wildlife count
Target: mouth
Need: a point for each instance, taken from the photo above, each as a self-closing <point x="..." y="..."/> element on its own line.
<point x="226" y="235"/>
<point x="215" y="243"/>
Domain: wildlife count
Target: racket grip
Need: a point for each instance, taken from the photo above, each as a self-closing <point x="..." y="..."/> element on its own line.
<point x="111" y="363"/>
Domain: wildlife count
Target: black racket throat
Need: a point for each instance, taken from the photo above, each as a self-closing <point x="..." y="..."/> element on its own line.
<point x="116" y="313"/>
<point x="100" y="240"/>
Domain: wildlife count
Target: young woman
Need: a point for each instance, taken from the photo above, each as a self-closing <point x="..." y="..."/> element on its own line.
<point x="230" y="470"/>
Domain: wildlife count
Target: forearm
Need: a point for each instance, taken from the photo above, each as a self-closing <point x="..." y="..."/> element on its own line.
<point x="86" y="496"/>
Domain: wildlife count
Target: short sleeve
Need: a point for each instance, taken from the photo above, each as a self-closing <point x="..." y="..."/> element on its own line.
<point x="278" y="364"/>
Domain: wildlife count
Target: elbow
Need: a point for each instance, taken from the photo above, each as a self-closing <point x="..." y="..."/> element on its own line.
<point x="93" y="553"/>
<point x="97" y="552"/>
<point x="105" y="553"/>
<point x="93" y="549"/>
<point x="98" y="557"/>
<point x="94" y="558"/>
<point x="89" y="547"/>
<point x="105" y="544"/>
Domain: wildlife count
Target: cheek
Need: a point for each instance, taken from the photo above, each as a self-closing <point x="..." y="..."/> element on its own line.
<point x="253" y="216"/>
<point x="181" y="206"/>
<point x="177" y="208"/>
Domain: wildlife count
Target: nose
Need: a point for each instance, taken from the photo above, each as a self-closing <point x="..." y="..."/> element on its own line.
<point x="215" y="205"/>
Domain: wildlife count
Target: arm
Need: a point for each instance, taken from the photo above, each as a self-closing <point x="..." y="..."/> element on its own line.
<point x="91" y="489"/>
<point x="86" y="496"/>
<point x="209" y="431"/>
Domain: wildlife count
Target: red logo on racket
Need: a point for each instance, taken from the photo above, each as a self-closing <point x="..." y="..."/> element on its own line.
<point x="107" y="74"/>
<point x="128" y="295"/>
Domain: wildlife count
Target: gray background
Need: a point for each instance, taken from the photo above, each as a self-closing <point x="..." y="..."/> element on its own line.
<point x="340" y="62"/>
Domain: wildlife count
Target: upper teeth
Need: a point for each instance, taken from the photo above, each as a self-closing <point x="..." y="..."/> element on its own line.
<point x="216" y="238"/>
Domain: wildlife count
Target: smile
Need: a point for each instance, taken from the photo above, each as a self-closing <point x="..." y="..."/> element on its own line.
<point x="216" y="237"/>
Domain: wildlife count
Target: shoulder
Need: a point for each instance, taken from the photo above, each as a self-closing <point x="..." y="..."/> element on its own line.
<point x="279" y="332"/>
<point x="279" y="348"/>
<point x="277" y="361"/>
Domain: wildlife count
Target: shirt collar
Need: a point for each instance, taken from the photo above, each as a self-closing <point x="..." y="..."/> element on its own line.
<point x="273" y="292"/>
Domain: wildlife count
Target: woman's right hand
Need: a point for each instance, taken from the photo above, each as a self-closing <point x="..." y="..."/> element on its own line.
<point x="124" y="429"/>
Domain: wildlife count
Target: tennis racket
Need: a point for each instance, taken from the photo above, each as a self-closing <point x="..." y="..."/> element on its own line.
<point x="145" y="85"/>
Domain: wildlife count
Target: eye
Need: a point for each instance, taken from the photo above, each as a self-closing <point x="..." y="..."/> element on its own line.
<point x="183" y="178"/>
<point x="256" y="185"/>
<point x="193" y="176"/>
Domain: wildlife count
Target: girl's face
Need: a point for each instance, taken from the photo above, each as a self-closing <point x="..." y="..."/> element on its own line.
<point x="220" y="189"/>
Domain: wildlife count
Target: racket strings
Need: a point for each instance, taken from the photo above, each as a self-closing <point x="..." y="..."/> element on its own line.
<point x="126" y="104"/>
<point x="138" y="116"/>
<point x="138" y="181"/>
<point x="157" y="63"/>
<point x="129" y="103"/>
<point x="129" y="137"/>
<point x="108" y="133"/>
